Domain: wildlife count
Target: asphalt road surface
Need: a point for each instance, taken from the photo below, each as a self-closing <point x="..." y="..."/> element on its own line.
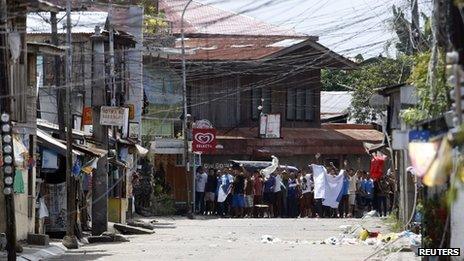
<point x="237" y="239"/>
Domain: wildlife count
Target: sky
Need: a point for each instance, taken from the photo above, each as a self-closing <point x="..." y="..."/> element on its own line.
<point x="349" y="27"/>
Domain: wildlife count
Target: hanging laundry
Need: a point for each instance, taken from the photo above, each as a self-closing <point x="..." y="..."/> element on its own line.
<point x="18" y="184"/>
<point x="76" y="168"/>
<point x="43" y="210"/>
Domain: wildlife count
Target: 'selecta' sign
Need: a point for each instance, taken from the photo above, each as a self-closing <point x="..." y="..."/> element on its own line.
<point x="204" y="140"/>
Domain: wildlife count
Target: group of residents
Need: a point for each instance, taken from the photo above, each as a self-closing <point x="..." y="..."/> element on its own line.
<point x="236" y="192"/>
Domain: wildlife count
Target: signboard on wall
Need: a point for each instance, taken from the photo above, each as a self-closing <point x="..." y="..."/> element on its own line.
<point x="269" y="126"/>
<point x="204" y="140"/>
<point x="114" y="116"/>
<point x="87" y="116"/>
<point x="131" y="111"/>
<point x="134" y="130"/>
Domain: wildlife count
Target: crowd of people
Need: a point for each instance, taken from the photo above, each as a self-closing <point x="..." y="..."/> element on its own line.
<point x="236" y="192"/>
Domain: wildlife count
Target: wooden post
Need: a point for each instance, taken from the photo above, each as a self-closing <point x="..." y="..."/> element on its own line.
<point x="5" y="79"/>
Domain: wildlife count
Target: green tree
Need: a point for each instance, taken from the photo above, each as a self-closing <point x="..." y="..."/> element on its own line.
<point x="433" y="95"/>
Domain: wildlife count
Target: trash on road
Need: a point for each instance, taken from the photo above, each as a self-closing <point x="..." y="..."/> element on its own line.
<point x="269" y="239"/>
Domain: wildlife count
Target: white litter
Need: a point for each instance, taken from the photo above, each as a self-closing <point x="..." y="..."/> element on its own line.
<point x="268" y="239"/>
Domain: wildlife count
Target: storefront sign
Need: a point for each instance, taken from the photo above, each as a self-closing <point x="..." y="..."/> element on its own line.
<point x="269" y="126"/>
<point x="134" y="129"/>
<point x="114" y="116"/>
<point x="204" y="140"/>
<point x="87" y="116"/>
<point x="131" y="111"/>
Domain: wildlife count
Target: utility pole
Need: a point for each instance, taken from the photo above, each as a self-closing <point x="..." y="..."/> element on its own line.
<point x="6" y="109"/>
<point x="186" y="155"/>
<point x="415" y="26"/>
<point x="100" y="133"/>
<point x="70" y="240"/>
<point x="60" y="92"/>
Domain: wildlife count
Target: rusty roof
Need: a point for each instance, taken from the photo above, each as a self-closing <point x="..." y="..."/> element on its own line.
<point x="233" y="48"/>
<point x="300" y="141"/>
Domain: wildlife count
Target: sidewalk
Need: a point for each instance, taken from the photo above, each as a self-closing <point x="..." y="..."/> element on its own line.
<point x="36" y="253"/>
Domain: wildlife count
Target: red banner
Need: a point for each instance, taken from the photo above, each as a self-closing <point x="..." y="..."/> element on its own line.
<point x="204" y="140"/>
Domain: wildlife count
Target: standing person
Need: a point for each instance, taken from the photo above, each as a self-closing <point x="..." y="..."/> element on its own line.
<point x="352" y="191"/>
<point x="307" y="186"/>
<point x="368" y="190"/>
<point x="391" y="191"/>
<point x="360" y="202"/>
<point x="284" y="189"/>
<point x="238" y="194"/>
<point x="344" y="206"/>
<point x="278" y="194"/>
<point x="257" y="188"/>
<point x="383" y="188"/>
<point x="292" y="196"/>
<point x="224" y="189"/>
<point x="249" y="195"/>
<point x="200" y="183"/>
<point x="268" y="193"/>
<point x="210" y="191"/>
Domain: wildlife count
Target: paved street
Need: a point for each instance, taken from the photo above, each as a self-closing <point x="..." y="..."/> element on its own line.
<point x="234" y="239"/>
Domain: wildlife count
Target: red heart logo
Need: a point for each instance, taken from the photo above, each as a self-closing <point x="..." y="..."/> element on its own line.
<point x="204" y="138"/>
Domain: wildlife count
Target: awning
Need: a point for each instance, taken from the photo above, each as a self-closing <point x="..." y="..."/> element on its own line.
<point x="370" y="147"/>
<point x="45" y="48"/>
<point x="48" y="141"/>
<point x="48" y="126"/>
<point x="90" y="150"/>
<point x="141" y="151"/>
<point x="116" y="162"/>
<point x="167" y="146"/>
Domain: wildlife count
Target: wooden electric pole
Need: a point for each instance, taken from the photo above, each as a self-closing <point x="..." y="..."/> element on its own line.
<point x="100" y="134"/>
<point x="6" y="108"/>
<point x="70" y="240"/>
<point x="60" y="92"/>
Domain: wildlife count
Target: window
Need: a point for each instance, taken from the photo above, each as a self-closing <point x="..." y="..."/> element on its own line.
<point x="300" y="104"/>
<point x="256" y="95"/>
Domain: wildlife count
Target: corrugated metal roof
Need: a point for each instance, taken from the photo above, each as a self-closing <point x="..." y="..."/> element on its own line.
<point x="82" y="22"/>
<point x="231" y="48"/>
<point x="300" y="141"/>
<point x="335" y="103"/>
<point x="208" y="19"/>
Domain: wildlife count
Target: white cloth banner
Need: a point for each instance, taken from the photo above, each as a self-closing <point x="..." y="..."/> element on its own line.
<point x="327" y="187"/>
<point x="319" y="181"/>
<point x="269" y="170"/>
<point x="334" y="185"/>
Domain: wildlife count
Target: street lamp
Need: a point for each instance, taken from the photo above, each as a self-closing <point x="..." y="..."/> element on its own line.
<point x="184" y="100"/>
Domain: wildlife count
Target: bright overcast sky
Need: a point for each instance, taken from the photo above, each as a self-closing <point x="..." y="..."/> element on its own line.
<point x="346" y="26"/>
